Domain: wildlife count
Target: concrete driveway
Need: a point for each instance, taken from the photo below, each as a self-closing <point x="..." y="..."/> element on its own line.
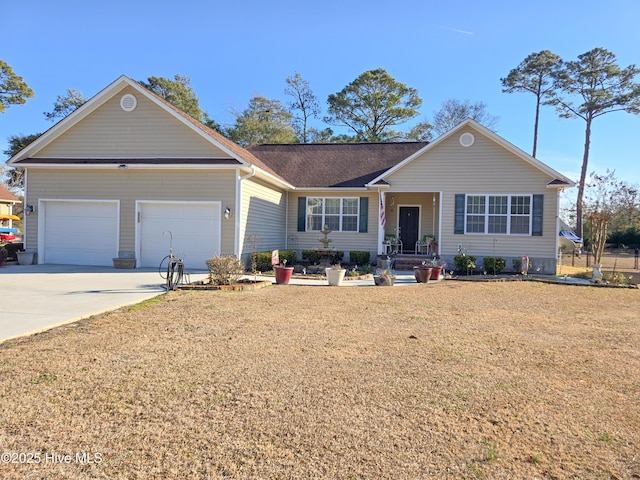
<point x="38" y="297"/>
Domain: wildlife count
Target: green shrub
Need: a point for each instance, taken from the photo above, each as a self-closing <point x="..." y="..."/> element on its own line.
<point x="617" y="278"/>
<point x="225" y="270"/>
<point x="494" y="265"/>
<point x="358" y="257"/>
<point x="337" y="257"/>
<point x="263" y="259"/>
<point x="517" y="265"/>
<point x="464" y="263"/>
<point x="366" y="269"/>
<point x="3" y="255"/>
<point x="291" y="256"/>
<point x="311" y="256"/>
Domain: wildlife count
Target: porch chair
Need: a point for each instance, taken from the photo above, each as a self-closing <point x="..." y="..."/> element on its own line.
<point x="424" y="243"/>
<point x="392" y="243"/>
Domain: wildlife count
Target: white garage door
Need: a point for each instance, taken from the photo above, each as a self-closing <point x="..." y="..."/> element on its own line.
<point x="194" y="227"/>
<point x="79" y="232"/>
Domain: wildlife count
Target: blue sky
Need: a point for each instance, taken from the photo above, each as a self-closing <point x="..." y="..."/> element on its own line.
<point x="235" y="50"/>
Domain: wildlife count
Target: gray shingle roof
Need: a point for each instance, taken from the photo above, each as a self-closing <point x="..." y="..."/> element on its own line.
<point x="333" y="164"/>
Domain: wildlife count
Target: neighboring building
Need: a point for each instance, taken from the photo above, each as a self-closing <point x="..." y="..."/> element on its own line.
<point x="7" y="218"/>
<point x="7" y="201"/>
<point x="111" y="178"/>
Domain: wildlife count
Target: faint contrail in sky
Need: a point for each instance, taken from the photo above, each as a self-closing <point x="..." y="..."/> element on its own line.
<point x="456" y="30"/>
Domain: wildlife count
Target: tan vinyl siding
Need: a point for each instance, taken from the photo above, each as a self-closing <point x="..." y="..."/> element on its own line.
<point x="147" y="132"/>
<point x="483" y="168"/>
<point x="345" y="241"/>
<point x="128" y="186"/>
<point x="264" y="210"/>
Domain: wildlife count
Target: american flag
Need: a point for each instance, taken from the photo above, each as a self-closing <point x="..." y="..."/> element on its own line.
<point x="383" y="220"/>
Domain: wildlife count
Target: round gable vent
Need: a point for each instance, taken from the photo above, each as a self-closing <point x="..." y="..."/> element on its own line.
<point x="128" y="102"/>
<point x="467" y="139"/>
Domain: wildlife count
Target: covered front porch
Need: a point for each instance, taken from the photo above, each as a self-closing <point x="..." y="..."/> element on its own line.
<point x="411" y="223"/>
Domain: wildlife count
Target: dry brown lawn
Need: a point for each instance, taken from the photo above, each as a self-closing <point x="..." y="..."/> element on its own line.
<point x="454" y="380"/>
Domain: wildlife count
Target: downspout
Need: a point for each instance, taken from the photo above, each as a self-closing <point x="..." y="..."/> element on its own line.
<point x="440" y="206"/>
<point x="25" y="200"/>
<point x="557" y="253"/>
<point x="238" y="214"/>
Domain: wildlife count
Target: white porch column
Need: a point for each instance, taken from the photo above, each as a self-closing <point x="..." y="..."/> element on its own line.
<point x="381" y="198"/>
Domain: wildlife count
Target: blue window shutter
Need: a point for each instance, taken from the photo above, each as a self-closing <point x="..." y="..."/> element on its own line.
<point x="536" y="221"/>
<point x="364" y="214"/>
<point x="302" y="213"/>
<point x="458" y="227"/>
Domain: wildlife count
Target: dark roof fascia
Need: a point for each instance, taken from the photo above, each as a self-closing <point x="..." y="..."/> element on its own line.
<point x="558" y="183"/>
<point x="44" y="162"/>
<point x="332" y="189"/>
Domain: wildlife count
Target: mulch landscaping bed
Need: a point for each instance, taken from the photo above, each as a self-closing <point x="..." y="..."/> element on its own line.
<point x="242" y="285"/>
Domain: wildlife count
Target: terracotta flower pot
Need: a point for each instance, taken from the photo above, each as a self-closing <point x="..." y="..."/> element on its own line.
<point x="435" y="273"/>
<point x="422" y="274"/>
<point x="283" y="274"/>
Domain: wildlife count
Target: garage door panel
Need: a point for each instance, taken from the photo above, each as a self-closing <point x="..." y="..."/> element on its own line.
<point x="80" y="233"/>
<point x="194" y="227"/>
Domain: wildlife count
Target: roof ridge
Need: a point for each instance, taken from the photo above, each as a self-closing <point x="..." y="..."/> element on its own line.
<point x="338" y="143"/>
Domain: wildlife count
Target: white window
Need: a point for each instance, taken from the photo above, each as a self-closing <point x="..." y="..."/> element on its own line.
<point x="498" y="214"/>
<point x="339" y="214"/>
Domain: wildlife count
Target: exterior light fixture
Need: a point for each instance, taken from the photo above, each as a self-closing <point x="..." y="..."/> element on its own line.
<point x="227" y="213"/>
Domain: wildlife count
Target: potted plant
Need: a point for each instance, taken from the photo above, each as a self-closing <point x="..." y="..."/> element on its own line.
<point x="283" y="273"/>
<point x="384" y="278"/>
<point x="25" y="258"/>
<point x="436" y="270"/>
<point x="422" y="273"/>
<point x="335" y="275"/>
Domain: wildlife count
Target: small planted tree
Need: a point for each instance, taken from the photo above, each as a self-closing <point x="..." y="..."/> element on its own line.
<point x="605" y="199"/>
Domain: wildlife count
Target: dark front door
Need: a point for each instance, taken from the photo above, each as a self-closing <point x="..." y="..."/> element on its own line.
<point x="409" y="220"/>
